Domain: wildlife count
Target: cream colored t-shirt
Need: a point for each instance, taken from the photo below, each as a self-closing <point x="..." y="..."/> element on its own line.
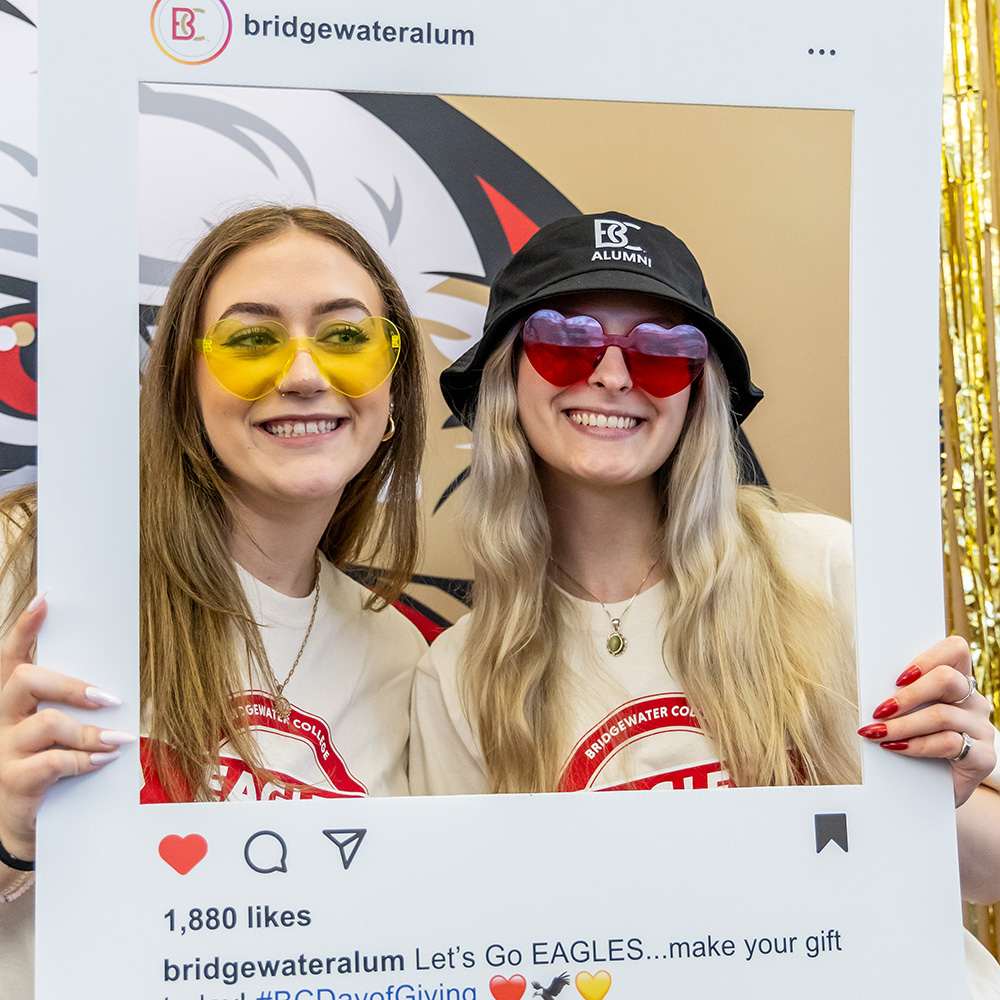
<point x="630" y="725"/>
<point x="348" y="729"/>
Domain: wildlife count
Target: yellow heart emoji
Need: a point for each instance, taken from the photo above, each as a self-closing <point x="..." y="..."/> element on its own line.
<point x="593" y="987"/>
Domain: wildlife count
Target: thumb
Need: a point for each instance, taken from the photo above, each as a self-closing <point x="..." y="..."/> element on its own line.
<point x="20" y="641"/>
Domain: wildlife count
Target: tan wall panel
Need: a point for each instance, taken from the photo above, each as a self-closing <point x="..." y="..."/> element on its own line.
<point x="762" y="198"/>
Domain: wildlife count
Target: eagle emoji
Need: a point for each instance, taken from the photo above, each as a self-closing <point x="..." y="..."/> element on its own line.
<point x="554" y="988"/>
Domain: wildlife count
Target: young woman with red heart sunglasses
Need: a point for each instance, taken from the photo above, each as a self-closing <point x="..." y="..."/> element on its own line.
<point x="641" y="618"/>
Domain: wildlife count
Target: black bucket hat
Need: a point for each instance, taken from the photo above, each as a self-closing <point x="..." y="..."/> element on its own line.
<point x="605" y="252"/>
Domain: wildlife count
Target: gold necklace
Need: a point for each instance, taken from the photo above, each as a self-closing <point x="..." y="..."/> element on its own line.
<point x="282" y="706"/>
<point x="616" y="641"/>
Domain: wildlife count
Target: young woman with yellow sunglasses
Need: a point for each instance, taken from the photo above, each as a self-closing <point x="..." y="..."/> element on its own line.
<point x="281" y="429"/>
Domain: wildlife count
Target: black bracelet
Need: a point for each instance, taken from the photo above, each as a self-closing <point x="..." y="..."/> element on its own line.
<point x="8" y="860"/>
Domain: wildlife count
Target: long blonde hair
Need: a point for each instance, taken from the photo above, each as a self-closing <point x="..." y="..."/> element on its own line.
<point x="765" y="663"/>
<point x="18" y="529"/>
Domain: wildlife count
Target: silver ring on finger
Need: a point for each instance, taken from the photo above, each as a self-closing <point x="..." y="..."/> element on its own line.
<point x="972" y="687"/>
<point x="966" y="747"/>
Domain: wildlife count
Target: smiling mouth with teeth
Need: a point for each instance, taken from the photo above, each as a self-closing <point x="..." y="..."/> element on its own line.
<point x="300" y="428"/>
<point x="602" y="420"/>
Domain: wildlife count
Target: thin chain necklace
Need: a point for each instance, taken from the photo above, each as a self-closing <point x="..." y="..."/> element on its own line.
<point x="282" y="706"/>
<point x="616" y="642"/>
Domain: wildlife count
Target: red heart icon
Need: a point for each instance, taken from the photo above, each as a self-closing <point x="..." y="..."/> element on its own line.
<point x="507" y="989"/>
<point x="183" y="853"/>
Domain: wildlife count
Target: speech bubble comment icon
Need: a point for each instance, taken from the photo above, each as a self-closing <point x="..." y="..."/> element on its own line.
<point x="593" y="987"/>
<point x="183" y="853"/>
<point x="266" y="852"/>
<point x="503" y="988"/>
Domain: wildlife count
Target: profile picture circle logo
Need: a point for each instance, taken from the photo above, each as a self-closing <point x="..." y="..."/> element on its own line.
<point x="191" y="34"/>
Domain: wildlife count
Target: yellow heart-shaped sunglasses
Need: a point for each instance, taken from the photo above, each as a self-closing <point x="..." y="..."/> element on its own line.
<point x="251" y="359"/>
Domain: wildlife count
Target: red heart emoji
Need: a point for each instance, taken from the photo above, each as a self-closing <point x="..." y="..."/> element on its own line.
<point x="507" y="989"/>
<point x="183" y="853"/>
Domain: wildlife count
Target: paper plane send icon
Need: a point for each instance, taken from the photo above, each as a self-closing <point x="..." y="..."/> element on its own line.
<point x="347" y="841"/>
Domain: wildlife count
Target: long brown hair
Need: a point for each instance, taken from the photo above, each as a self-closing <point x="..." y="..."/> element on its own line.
<point x="196" y="629"/>
<point x="742" y="637"/>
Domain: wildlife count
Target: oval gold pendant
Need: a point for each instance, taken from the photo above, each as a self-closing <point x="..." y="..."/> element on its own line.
<point x="617" y="643"/>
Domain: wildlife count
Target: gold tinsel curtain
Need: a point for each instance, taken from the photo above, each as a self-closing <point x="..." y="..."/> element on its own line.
<point x="970" y="391"/>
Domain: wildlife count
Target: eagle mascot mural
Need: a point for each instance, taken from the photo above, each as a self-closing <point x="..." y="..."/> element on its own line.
<point x="445" y="202"/>
<point x="18" y="245"/>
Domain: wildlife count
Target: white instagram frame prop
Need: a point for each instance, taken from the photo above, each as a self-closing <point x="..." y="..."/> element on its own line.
<point x="445" y="895"/>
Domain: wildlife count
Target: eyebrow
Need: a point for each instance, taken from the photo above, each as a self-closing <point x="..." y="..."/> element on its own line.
<point x="266" y="309"/>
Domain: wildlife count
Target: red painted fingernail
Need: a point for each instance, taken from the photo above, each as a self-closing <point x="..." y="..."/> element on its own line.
<point x="895" y="744"/>
<point x="908" y="676"/>
<point x="873" y="732"/>
<point x="888" y="707"/>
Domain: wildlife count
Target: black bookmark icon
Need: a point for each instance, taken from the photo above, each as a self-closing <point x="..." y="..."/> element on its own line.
<point x="347" y="841"/>
<point x="831" y="826"/>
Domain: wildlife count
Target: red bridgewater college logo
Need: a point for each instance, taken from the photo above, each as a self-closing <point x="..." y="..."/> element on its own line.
<point x="189" y="34"/>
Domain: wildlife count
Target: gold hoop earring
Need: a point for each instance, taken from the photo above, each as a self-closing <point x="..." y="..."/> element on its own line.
<point x="390" y="430"/>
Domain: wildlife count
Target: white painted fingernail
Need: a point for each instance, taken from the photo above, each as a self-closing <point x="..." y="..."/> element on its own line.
<point x="103" y="697"/>
<point x="116" y="738"/>
<point x="34" y="603"/>
<point x="100" y="759"/>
